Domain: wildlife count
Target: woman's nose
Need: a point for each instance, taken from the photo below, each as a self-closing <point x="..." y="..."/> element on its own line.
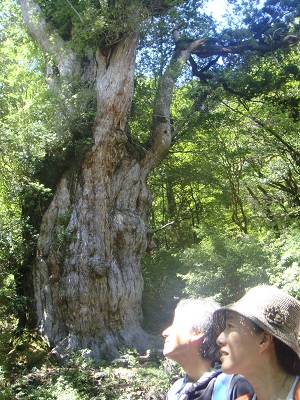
<point x="220" y="339"/>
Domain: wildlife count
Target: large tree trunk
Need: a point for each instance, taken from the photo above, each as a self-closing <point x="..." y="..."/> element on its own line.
<point x="87" y="278"/>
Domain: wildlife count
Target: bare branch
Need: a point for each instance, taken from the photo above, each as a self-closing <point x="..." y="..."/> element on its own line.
<point x="75" y="11"/>
<point x="164" y="227"/>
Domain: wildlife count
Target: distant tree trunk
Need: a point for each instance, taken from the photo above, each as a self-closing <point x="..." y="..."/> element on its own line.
<point x="87" y="277"/>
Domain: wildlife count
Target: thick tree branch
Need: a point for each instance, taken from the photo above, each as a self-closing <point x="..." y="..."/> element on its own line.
<point x="50" y="43"/>
<point x="201" y="73"/>
<point x="248" y="45"/>
<point x="160" y="141"/>
<point x="175" y="32"/>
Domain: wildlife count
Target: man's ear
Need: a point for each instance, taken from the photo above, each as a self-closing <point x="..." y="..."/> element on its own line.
<point x="197" y="336"/>
<point x="266" y="339"/>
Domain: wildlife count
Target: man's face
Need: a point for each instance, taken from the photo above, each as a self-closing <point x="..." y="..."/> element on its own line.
<point x="178" y="337"/>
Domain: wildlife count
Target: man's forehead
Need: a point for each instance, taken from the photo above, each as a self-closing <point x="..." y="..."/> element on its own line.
<point x="184" y="313"/>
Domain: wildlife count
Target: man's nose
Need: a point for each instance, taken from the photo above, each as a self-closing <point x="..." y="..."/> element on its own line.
<point x="166" y="332"/>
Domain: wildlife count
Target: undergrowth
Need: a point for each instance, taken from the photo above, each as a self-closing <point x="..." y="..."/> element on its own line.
<point x="80" y="378"/>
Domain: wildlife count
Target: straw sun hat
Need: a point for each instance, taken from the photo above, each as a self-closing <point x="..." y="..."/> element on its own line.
<point x="270" y="308"/>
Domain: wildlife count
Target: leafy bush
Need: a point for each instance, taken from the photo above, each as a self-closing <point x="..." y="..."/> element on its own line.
<point x="224" y="266"/>
<point x="285" y="269"/>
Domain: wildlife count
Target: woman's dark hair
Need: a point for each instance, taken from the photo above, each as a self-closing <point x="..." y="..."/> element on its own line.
<point x="287" y="358"/>
<point x="209" y="349"/>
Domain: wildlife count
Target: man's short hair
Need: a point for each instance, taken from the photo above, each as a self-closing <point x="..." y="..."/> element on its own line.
<point x="198" y="315"/>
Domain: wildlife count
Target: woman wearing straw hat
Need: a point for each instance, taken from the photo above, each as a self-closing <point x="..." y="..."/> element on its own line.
<point x="258" y="338"/>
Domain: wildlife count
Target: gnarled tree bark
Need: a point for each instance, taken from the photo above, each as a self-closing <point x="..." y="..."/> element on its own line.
<point x="87" y="276"/>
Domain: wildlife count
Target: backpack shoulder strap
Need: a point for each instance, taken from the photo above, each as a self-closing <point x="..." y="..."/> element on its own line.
<point x="297" y="390"/>
<point x="221" y="386"/>
<point x="296" y="394"/>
